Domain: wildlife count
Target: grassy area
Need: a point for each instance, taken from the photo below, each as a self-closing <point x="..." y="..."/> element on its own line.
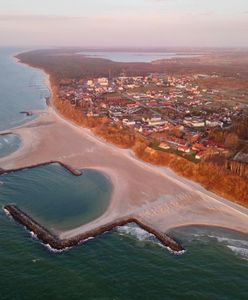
<point x="190" y="156"/>
<point x="149" y="87"/>
<point x="112" y="94"/>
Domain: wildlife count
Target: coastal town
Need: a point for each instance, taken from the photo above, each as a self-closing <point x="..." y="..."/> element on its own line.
<point x="176" y="114"/>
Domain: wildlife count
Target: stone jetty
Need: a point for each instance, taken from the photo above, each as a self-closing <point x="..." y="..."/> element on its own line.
<point x="27" y="113"/>
<point x="58" y="244"/>
<point x="5" y="133"/>
<point x="73" y="171"/>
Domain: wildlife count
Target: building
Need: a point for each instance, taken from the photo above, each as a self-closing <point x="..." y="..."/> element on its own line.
<point x="103" y="81"/>
<point x="185" y="149"/>
<point x="164" y="146"/>
<point x="200" y="155"/>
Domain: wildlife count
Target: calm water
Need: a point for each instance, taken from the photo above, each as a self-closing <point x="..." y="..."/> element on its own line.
<point x="60" y="210"/>
<point x="21" y="89"/>
<point x="135" y="56"/>
<point x="127" y="263"/>
<point x="8" y="144"/>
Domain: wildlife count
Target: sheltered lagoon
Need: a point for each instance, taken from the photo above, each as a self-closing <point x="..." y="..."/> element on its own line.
<point x="55" y="198"/>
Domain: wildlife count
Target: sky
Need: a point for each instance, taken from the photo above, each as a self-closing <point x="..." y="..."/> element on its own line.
<point x="124" y="23"/>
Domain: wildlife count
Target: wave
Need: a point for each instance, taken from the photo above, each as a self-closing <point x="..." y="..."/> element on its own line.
<point x="143" y="236"/>
<point x="7" y="212"/>
<point x="51" y="249"/>
<point x="243" y="252"/>
<point x="137" y="232"/>
<point x="33" y="235"/>
<point x="237" y="246"/>
<point x="231" y="241"/>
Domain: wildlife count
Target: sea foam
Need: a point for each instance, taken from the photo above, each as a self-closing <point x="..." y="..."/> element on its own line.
<point x="143" y="236"/>
<point x="243" y="252"/>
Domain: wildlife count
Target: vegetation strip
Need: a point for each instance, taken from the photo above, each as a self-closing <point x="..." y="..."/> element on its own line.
<point x="48" y="238"/>
<point x="75" y="172"/>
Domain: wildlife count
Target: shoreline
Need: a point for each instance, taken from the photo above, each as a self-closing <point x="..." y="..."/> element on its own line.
<point x="162" y="199"/>
<point x="149" y="161"/>
<point x="56" y="243"/>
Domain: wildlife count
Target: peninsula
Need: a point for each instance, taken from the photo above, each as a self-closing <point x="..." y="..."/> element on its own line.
<point x="152" y="194"/>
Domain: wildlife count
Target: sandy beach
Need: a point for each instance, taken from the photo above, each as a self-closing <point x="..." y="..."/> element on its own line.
<point x="156" y="196"/>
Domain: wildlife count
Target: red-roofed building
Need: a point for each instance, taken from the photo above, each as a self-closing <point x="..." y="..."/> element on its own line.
<point x="185" y="149"/>
<point x="198" y="147"/>
<point x="200" y="155"/>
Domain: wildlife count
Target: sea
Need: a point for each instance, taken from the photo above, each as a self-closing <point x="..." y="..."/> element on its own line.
<point x="126" y="263"/>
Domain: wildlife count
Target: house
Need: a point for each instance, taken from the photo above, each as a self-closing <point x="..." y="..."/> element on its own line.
<point x="200" y="155"/>
<point x="90" y="83"/>
<point x="128" y="122"/>
<point x="103" y="81"/>
<point x="185" y="149"/>
<point x="198" y="147"/>
<point x="213" y="123"/>
<point x="164" y="146"/>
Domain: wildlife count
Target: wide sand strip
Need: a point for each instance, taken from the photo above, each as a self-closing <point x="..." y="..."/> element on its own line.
<point x="155" y="195"/>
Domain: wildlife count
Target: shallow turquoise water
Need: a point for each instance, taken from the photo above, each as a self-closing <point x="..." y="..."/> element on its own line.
<point x="8" y="144"/>
<point x="55" y="198"/>
<point x="124" y="264"/>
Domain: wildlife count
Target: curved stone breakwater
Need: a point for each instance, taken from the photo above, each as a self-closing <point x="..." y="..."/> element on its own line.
<point x="56" y="243"/>
<point x="73" y="171"/>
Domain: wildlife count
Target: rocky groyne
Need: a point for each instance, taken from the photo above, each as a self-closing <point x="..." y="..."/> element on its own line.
<point x="27" y="113"/>
<point x="6" y="133"/>
<point x="56" y="243"/>
<point x="73" y="171"/>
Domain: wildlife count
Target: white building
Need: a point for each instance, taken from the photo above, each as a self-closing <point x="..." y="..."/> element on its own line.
<point x="103" y="81"/>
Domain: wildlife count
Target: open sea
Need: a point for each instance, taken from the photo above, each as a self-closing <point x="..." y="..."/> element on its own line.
<point x="127" y="263"/>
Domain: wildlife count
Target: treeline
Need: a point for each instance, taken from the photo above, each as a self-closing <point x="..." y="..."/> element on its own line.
<point x="74" y="66"/>
<point x="69" y="64"/>
<point x="234" y="137"/>
<point x="213" y="177"/>
<point x="237" y="167"/>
